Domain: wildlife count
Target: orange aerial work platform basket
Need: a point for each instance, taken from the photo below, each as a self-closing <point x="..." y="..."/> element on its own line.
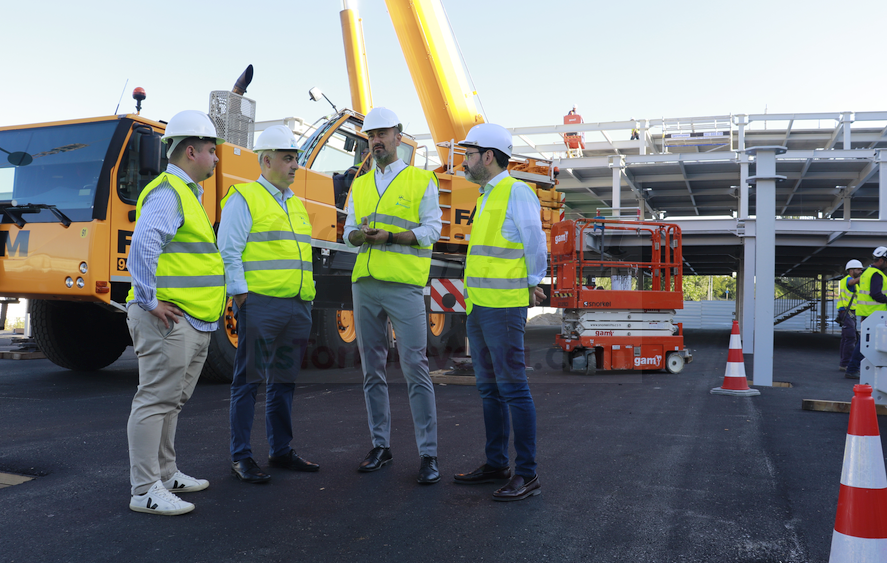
<point x="619" y="284"/>
<point x="574" y="140"/>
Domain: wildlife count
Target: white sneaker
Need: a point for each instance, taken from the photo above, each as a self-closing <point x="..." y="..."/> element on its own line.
<point x="159" y="501"/>
<point x="181" y="483"/>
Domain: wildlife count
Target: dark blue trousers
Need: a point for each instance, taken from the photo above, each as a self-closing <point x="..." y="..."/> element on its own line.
<point x="272" y="335"/>
<point x="496" y="337"/>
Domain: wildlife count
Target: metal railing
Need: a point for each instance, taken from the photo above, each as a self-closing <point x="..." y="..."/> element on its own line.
<point x="798" y="296"/>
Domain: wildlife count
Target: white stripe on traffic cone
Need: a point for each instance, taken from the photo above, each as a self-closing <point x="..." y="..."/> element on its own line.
<point x="860" y="534"/>
<point x="735" y="382"/>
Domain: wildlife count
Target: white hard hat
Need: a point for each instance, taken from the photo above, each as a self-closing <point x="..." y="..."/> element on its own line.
<point x="853" y="264"/>
<point x="276" y="137"/>
<point x="488" y="136"/>
<point x="189" y="123"/>
<point x="381" y="118"/>
<point x="880" y="252"/>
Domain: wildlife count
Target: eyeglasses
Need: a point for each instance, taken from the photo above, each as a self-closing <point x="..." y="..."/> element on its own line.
<point x="469" y="154"/>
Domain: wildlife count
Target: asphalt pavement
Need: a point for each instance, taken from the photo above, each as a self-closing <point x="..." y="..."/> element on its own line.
<point x="639" y="467"/>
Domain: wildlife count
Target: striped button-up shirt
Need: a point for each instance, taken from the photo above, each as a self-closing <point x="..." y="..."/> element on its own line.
<point x="158" y="223"/>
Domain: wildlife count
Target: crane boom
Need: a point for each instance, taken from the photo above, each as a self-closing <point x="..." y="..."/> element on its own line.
<point x="356" y="58"/>
<point x="438" y="76"/>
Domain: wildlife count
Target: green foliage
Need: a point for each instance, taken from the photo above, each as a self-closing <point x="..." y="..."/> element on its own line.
<point x="703" y="288"/>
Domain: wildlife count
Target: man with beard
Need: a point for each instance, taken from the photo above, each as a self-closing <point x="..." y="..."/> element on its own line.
<point x="399" y="216"/>
<point x="507" y="258"/>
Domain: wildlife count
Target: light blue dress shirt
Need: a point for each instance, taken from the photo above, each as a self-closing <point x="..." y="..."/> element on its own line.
<point x="234" y="229"/>
<point x="523" y="224"/>
<point x="159" y="220"/>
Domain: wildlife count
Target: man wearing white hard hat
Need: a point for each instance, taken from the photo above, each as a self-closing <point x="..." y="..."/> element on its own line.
<point x="870" y="298"/>
<point x="847" y="311"/>
<point x="265" y="239"/>
<point x="507" y="258"/>
<point x="394" y="217"/>
<point x="177" y="297"/>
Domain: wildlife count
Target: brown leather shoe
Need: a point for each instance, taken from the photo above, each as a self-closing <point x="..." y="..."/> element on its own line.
<point x="518" y="489"/>
<point x="483" y="474"/>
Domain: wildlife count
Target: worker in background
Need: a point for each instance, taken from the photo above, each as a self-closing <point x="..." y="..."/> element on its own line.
<point x="847" y="311"/>
<point x="265" y="240"/>
<point x="507" y="258"/>
<point x="635" y="134"/>
<point x="870" y="298"/>
<point x="394" y="217"/>
<point x="174" y="305"/>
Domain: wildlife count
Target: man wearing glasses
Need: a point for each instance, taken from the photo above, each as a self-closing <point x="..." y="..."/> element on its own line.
<point x="507" y="258"/>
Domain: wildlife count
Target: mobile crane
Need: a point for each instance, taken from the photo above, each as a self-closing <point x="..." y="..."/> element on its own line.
<point x="68" y="191"/>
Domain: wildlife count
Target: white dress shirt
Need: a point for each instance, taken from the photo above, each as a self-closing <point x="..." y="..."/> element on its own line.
<point x="429" y="208"/>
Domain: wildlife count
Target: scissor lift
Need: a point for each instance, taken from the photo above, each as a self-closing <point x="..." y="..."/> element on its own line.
<point x="619" y="285"/>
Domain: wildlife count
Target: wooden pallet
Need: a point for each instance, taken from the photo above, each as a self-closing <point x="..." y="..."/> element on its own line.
<point x="835" y="406"/>
<point x="22" y="356"/>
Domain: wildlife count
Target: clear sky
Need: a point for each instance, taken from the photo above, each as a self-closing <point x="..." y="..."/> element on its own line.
<point x="530" y="61"/>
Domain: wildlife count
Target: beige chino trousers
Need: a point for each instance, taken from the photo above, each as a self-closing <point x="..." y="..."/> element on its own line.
<point x="170" y="361"/>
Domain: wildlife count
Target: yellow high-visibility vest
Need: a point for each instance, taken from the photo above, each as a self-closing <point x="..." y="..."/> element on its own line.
<point x="277" y="256"/>
<point x="396" y="211"/>
<point x="496" y="268"/>
<point x="865" y="305"/>
<point x="846" y="295"/>
<point x="190" y="271"/>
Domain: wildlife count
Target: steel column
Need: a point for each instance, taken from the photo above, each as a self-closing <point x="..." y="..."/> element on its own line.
<point x="882" y="184"/>
<point x="765" y="259"/>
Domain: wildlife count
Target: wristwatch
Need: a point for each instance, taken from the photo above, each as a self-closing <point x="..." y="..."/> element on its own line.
<point x="390" y="239"/>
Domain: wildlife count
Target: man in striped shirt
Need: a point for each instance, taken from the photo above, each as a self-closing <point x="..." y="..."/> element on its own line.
<point x="177" y="275"/>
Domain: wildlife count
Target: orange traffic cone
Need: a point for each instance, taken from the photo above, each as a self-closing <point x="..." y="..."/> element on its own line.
<point x="735" y="382"/>
<point x="861" y="523"/>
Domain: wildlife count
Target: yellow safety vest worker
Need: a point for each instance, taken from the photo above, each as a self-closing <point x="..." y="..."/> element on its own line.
<point x="190" y="271"/>
<point x="396" y="211"/>
<point x="277" y="256"/>
<point x="865" y="305"/>
<point x="846" y="295"/>
<point x="496" y="268"/>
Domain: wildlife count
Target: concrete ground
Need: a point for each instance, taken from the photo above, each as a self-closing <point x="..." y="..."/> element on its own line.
<point x="634" y="467"/>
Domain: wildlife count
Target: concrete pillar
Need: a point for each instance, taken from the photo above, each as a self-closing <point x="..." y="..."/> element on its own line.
<point x="765" y="259"/>
<point x="848" y="208"/>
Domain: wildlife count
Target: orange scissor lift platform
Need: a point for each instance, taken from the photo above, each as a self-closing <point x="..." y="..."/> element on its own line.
<point x="619" y="284"/>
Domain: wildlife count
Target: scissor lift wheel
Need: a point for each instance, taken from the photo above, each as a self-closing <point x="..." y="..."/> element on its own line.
<point x="674" y="363"/>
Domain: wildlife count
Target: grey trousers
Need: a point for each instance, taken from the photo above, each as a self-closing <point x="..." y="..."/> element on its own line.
<point x="170" y="361"/>
<point x="375" y="302"/>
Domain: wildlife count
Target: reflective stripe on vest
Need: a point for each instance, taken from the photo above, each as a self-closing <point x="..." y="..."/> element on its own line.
<point x="277" y="256"/>
<point x="865" y="305"/>
<point x="396" y="211"/>
<point x="496" y="268"/>
<point x="190" y="271"/>
<point x="845" y="295"/>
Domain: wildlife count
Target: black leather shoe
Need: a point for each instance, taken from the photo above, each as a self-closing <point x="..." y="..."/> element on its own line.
<point x="428" y="472"/>
<point x="248" y="470"/>
<point x="483" y="474"/>
<point x="292" y="461"/>
<point x="518" y="489"/>
<point x="374" y="460"/>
